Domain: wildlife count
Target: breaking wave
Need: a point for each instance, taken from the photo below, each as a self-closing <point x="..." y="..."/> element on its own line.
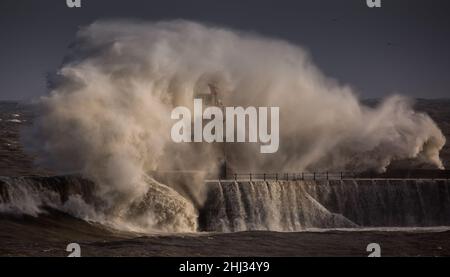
<point x="107" y="118"/>
<point x="159" y="209"/>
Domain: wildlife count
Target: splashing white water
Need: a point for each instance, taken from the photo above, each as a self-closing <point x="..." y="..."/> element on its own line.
<point x="108" y="115"/>
<point x="159" y="209"/>
<point x="302" y="205"/>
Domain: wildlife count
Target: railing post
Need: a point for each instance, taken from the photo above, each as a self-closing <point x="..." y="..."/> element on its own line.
<point x="341" y="175"/>
<point x="250" y="177"/>
<point x="264" y="176"/>
<point x="314" y="175"/>
<point x="327" y="175"/>
<point x="235" y="176"/>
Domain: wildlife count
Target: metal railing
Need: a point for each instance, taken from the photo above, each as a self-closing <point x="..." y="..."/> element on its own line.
<point x="394" y="175"/>
<point x="293" y="176"/>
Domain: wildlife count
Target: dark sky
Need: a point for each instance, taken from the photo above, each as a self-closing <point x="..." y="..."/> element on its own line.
<point x="402" y="47"/>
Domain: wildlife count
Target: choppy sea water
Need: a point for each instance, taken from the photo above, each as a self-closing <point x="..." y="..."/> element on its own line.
<point x="240" y="219"/>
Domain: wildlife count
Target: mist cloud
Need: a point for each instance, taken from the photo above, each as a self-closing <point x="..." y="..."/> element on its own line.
<point x="108" y="116"/>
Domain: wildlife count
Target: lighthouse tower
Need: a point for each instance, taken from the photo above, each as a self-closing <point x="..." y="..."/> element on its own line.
<point x="213" y="98"/>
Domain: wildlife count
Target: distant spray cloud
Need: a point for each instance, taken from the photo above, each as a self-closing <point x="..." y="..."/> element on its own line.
<point x="109" y="114"/>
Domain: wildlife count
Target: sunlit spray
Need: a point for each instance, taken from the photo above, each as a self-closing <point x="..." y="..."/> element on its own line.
<point x="108" y="116"/>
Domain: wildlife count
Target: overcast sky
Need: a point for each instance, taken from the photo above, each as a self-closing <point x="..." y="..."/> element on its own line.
<point x="402" y="47"/>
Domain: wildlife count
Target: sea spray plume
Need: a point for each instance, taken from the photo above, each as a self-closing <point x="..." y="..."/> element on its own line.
<point x="108" y="117"/>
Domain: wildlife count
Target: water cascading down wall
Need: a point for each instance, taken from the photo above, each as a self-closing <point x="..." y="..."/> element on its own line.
<point x="249" y="205"/>
<point x="298" y="205"/>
